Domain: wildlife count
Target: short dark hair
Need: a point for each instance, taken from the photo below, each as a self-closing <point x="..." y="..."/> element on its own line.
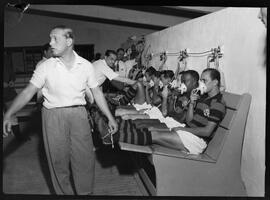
<point x="120" y="49"/>
<point x="168" y="74"/>
<point x="194" y="74"/>
<point x="214" y="74"/>
<point x="151" y="71"/>
<point x="157" y="74"/>
<point x="109" y="52"/>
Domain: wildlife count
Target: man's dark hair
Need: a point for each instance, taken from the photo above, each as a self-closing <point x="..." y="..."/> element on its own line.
<point x="168" y="74"/>
<point x="157" y="74"/>
<point x="109" y="52"/>
<point x="194" y="74"/>
<point x="151" y="71"/>
<point x="120" y="49"/>
<point x="214" y="74"/>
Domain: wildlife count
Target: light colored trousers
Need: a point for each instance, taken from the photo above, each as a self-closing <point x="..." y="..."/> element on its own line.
<point x="68" y="143"/>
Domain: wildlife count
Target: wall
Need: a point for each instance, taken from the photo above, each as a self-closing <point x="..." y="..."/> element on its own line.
<point x="34" y="30"/>
<point x="244" y="39"/>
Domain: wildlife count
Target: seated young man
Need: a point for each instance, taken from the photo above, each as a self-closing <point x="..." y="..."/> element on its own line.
<point x="203" y="116"/>
<point x="177" y="103"/>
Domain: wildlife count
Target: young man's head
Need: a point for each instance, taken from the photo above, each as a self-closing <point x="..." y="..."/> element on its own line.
<point x="47" y="51"/>
<point x="211" y="78"/>
<point x="166" y="76"/>
<point x="190" y="78"/>
<point x="149" y="73"/>
<point x="120" y="53"/>
<point x="110" y="57"/>
<point x="62" y="40"/>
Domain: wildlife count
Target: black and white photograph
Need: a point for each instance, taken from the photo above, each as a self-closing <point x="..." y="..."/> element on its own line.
<point x="134" y="100"/>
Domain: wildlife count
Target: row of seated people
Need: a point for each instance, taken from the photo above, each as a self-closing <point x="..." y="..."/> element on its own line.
<point x="184" y="119"/>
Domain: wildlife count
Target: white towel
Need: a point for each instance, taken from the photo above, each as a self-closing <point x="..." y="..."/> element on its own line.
<point x="171" y="123"/>
<point x="142" y="106"/>
<point x="193" y="143"/>
<point x="154" y="113"/>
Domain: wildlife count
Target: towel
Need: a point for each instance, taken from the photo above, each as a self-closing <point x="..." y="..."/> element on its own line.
<point x="171" y="123"/>
<point x="142" y="106"/>
<point x="193" y="143"/>
<point x="154" y="113"/>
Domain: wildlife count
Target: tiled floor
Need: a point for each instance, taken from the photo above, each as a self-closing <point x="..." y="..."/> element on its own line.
<point x="25" y="170"/>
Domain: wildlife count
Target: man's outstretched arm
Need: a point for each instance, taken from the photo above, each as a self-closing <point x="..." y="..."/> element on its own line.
<point x="19" y="102"/>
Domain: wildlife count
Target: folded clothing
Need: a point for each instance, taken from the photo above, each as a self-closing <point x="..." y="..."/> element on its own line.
<point x="193" y="143"/>
<point x="154" y="113"/>
<point x="142" y="106"/>
<point x="171" y="123"/>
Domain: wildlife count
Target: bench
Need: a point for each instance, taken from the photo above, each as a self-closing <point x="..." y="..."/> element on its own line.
<point x="215" y="172"/>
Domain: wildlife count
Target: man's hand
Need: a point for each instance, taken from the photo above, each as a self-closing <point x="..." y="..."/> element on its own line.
<point x="6" y="126"/>
<point x="113" y="126"/>
<point x="193" y="97"/>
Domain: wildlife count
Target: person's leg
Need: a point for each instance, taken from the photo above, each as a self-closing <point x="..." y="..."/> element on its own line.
<point x="82" y="151"/>
<point x="127" y="133"/>
<point x="57" y="148"/>
<point x="167" y="139"/>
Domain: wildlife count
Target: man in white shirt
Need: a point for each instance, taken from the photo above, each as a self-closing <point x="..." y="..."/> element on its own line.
<point x="103" y="69"/>
<point x="67" y="137"/>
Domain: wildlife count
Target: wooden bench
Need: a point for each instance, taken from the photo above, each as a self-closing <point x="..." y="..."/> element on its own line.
<point x="216" y="172"/>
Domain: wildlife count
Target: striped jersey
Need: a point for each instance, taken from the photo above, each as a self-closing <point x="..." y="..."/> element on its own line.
<point x="208" y="109"/>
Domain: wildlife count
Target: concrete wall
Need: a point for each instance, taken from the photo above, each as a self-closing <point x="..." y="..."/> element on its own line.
<point x="244" y="38"/>
<point x="34" y="30"/>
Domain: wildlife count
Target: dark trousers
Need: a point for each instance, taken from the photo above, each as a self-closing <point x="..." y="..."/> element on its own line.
<point x="68" y="142"/>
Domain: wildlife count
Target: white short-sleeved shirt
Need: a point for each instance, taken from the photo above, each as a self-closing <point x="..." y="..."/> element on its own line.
<point x="103" y="71"/>
<point x="63" y="87"/>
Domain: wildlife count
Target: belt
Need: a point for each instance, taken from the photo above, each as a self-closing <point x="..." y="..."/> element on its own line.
<point x="74" y="106"/>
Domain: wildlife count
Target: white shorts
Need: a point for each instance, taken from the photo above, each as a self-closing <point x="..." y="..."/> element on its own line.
<point x="193" y="143"/>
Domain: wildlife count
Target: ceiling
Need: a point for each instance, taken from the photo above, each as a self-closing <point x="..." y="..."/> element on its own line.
<point x="146" y="17"/>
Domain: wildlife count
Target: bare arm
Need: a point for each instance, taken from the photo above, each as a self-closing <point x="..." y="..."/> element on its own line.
<point x="125" y="80"/>
<point x="102" y="104"/>
<point x="19" y="102"/>
<point x="200" y="131"/>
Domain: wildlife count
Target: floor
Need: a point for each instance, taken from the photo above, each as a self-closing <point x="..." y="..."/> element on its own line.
<point x="25" y="170"/>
